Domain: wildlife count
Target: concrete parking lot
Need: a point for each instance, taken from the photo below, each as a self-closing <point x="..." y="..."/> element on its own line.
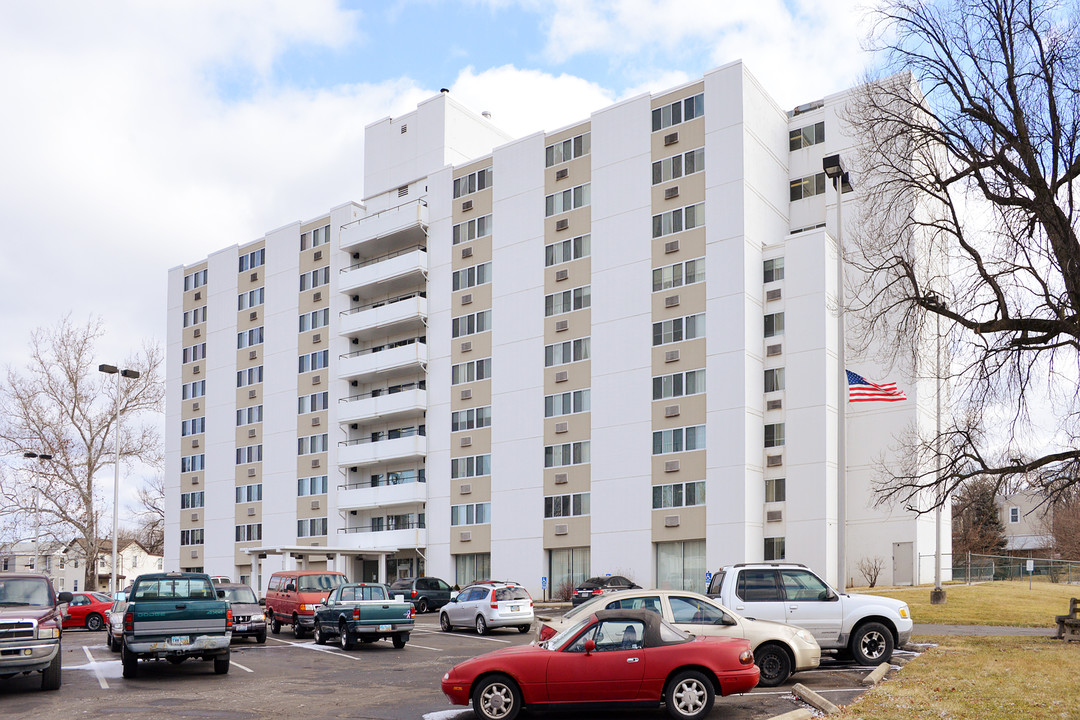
<point x="298" y="680"/>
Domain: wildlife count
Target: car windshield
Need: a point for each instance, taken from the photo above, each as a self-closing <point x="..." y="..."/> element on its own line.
<point x="196" y="588"/>
<point x="20" y="591"/>
<point x="586" y="607"/>
<point x="314" y="583"/>
<point x="240" y="595"/>
<point x="558" y="640"/>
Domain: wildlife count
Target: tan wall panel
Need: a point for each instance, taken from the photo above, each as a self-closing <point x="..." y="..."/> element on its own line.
<point x="471" y="167"/>
<point x="691" y="302"/>
<point x="481" y="206"/>
<point x="186" y="560"/>
<point x="481" y="395"/>
<point x="188" y="373"/>
<point x="241" y="514"/>
<point x="577" y="480"/>
<point x="304" y="509"/>
<point x="193" y="408"/>
<point x="580" y="221"/>
<point x="691" y="136"/>
<point x="579" y="272"/>
<point x="244" y="437"/>
<point x="306" y="425"/>
<point x="244" y="321"/>
<point x="691" y="191"/>
<point x="691" y="524"/>
<point x="187" y="483"/>
<point x="244" y="398"/>
<point x="691" y="412"/>
<point x="186" y="523"/>
<point x="579" y="172"/>
<point x="481" y="490"/>
<point x="579" y="324"/>
<point x="691" y="467"/>
<point x="480" y="543"/>
<point x="579" y="427"/>
<point x="305" y="384"/>
<point x="309" y="226"/>
<point x="481" y="442"/>
<point x="304" y="467"/>
<point x="481" y="346"/>
<point x="306" y="341"/>
<point x="251" y="279"/>
<point x="691" y="245"/>
<point x="313" y="258"/>
<point x="578" y="532"/>
<point x="681" y="93"/>
<point x="241" y="559"/>
<point x="189" y="338"/>
<point x="481" y="299"/>
<point x="691" y="357"/>
<point x="187" y="444"/>
<point x="579" y="375"/>
<point x="481" y="248"/>
<point x="241" y="475"/>
<point x="567" y="133"/>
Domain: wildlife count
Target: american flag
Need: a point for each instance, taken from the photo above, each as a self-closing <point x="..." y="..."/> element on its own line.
<point x="862" y="390"/>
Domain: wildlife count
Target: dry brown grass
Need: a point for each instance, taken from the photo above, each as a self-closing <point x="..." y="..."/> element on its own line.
<point x="998" y="603"/>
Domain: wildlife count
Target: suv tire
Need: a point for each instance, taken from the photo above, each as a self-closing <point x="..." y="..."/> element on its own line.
<point x="872" y="643"/>
<point x="422" y="606"/>
<point x="50" y="676"/>
<point x="275" y="624"/>
<point x="129" y="661"/>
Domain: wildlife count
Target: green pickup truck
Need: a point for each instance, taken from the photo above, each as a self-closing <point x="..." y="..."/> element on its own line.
<point x="175" y="616"/>
<point x="364" y="612"/>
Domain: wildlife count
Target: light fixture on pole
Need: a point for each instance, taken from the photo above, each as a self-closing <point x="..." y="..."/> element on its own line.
<point x="131" y="374"/>
<point x="935" y="303"/>
<point x="37" y="503"/>
<point x="841" y="181"/>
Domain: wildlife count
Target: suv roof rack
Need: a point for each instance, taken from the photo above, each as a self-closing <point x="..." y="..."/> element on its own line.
<point x="771" y="564"/>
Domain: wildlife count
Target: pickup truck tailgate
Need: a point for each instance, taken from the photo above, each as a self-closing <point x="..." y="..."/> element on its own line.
<point x="381" y="612"/>
<point x="161" y="618"/>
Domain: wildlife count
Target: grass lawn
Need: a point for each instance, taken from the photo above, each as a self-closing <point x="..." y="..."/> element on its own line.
<point x="997" y="603"/>
<point x="979" y="678"/>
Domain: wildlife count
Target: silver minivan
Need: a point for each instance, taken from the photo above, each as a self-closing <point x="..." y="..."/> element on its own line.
<point x="489" y="604"/>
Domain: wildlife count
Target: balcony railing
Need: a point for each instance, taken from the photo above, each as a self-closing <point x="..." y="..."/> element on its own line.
<point x="398" y="526"/>
<point x="395" y="271"/>
<point x="404" y="313"/>
<point x="391" y="357"/>
<point x="405" y="223"/>
<point x="360" y="453"/>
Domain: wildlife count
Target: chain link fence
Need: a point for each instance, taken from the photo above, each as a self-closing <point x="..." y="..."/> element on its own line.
<point x="989" y="568"/>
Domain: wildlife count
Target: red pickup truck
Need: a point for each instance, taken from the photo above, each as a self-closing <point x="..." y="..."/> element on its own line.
<point x="30" y="627"/>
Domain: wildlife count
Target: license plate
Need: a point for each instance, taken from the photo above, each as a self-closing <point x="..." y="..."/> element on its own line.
<point x="385" y="628"/>
<point x="515" y="608"/>
<point x="180" y="640"/>
<point x="240" y="628"/>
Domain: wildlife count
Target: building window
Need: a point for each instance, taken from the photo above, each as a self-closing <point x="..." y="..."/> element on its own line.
<point x="807" y="186"/>
<point x="189" y="537"/>
<point x="248" y="533"/>
<point x="691" y="382"/>
<point x="193" y="389"/>
<point x="317" y="485"/>
<point x="774" y="324"/>
<point x="561" y="506"/>
<point x="774" y="435"/>
<point x="566" y="150"/>
<point x="311" y="527"/>
<point x="679" y="274"/>
<point x="314" y="361"/>
<point x="774" y="549"/>
<point x="566" y="352"/>
<point x="470" y="419"/>
<point x="191" y="500"/>
<point x="193" y="353"/>
<point x="568" y="301"/>
<point x="679" y="439"/>
<point x="677" y="220"/>
<point x="192" y="463"/>
<point x="315" y="278"/>
<point x="194" y="426"/>
<point x="567" y="200"/>
<point x="681" y="565"/>
<point x="774" y="380"/>
<point x="250" y="299"/>
<point x="807" y="136"/>
<point x="567" y="250"/>
<point x="470" y="324"/>
<point x="312" y="444"/>
<point x="473" y="182"/>
<point x="251" y="376"/>
<point x="472" y="514"/>
<point x="249" y="415"/>
<point x="472" y="466"/>
<point x="472" y="229"/>
<point x="397" y="477"/>
<point x="471" y="567"/>
<point x="252" y="259"/>
<point x="318" y="236"/>
<point x="248" y="454"/>
<point x="470" y="371"/>
<point x="1014" y="515"/>
<point x="575" y="453"/>
<point x="315" y="319"/>
<point x="679" y="111"/>
<point x="678" y="495"/>
<point x="774" y="270"/>
<point x="249" y="493"/>
<point x="675" y="167"/>
<point x="775" y="490"/>
<point x="248" y="338"/>
<point x="194" y="280"/>
<point x="194" y="317"/>
<point x="678" y="329"/>
<point x="567" y="403"/>
<point x="315" y="402"/>
<point x="473" y="276"/>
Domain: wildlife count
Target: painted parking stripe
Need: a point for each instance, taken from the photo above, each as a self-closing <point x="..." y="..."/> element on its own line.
<point x="97" y="670"/>
<point x="788" y="692"/>
<point x="312" y="646"/>
<point x="460" y="635"/>
<point x="245" y="669"/>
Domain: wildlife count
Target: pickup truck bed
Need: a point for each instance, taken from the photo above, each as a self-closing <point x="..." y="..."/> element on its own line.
<point x="364" y="612"/>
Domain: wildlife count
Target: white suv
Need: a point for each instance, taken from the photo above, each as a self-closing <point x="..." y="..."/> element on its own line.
<point x="489" y="604"/>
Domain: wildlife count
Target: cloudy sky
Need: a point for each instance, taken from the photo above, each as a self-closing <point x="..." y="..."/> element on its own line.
<point x="143" y="135"/>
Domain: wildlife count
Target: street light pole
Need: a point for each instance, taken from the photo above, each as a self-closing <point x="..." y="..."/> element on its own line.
<point x="37" y="504"/>
<point x="935" y="302"/>
<point x="133" y="374"/>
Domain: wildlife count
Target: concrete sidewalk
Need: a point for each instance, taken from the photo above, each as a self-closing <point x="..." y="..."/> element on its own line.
<point x="922" y="629"/>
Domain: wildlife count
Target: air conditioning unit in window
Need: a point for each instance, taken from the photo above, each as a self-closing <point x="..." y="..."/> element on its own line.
<point x="561" y="478"/>
<point x="466" y="299"/>
<point x="774" y="405"/>
<point x="671" y="246"/>
<point x="317" y="255"/>
<point x="194" y="553"/>
<point x="671" y="301"/>
<point x="562" y="325"/>
<point x="195" y="405"/>
<point x="671" y="411"/>
<point x="195" y="443"/>
<point x="252" y="394"/>
<point x="196" y="370"/>
<point x="254" y="276"/>
<point x="562" y="224"/>
<point x="562" y="376"/>
<point x="671" y="356"/>
<point x="671" y="521"/>
<point x="562" y="174"/>
<point x="774" y="516"/>
<point x="772" y="295"/>
<point x="466" y="206"/>
<point x="671" y="466"/>
<point x="316" y="421"/>
<point x="671" y="192"/>
<point x="562" y="529"/>
<point x="253" y="355"/>
<point x="316" y="379"/>
<point x="316" y="463"/>
<point x="466" y="394"/>
<point x="466" y="441"/>
<point x="774" y="461"/>
<point x="197" y="333"/>
<point x="773" y="350"/>
<point x="314" y="504"/>
<point x="465" y="489"/>
<point x="316" y="338"/>
<point x="253" y="315"/>
<point x="195" y="480"/>
<point x="671" y="138"/>
<point x="251" y="472"/>
<point x="195" y="517"/>
<point x="465" y="536"/>
<point x="316" y="297"/>
<point x="251" y="511"/>
<point x="562" y="427"/>
<point x="466" y="346"/>
<point x="560" y="275"/>
<point x="466" y="252"/>
<point x="198" y="294"/>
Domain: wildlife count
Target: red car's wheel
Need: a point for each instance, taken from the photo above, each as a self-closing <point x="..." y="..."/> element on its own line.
<point x="94" y="622"/>
<point x="496" y="697"/>
<point x="689" y="696"/>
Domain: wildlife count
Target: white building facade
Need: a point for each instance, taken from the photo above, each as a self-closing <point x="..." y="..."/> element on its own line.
<point x="611" y="348"/>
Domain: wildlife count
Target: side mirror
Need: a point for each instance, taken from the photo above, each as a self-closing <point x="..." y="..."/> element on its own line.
<point x="728" y="620"/>
<point x="453" y="599"/>
<point x="323" y="601"/>
<point x="221" y="594"/>
<point x="590" y="645"/>
<point x="262" y="601"/>
<point x="63" y="597"/>
<point x="290" y="588"/>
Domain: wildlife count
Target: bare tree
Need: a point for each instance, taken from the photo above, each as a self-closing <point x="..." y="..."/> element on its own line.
<point x="871" y="568"/>
<point x="61" y="405"/>
<point x="969" y="175"/>
<point x="151" y="515"/>
<point x="1062" y="524"/>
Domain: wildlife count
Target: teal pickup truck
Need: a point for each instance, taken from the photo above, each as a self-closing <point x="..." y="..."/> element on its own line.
<point x="364" y="612"/>
<point x="175" y="616"/>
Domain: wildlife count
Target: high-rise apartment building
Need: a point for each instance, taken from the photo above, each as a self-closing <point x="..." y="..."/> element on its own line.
<point x="610" y="348"/>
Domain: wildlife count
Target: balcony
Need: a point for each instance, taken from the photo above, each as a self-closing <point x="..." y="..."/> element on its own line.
<point x="384" y="316"/>
<point x="365" y="365"/>
<point x="359" y="453"/>
<point x="387" y="230"/>
<point x="364" y="496"/>
<point x="391" y="273"/>
<point x="363" y="538"/>
<point x="410" y="400"/>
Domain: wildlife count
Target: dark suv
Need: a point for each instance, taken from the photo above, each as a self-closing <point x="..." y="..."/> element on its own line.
<point x="425" y="593"/>
<point x="30" y="620"/>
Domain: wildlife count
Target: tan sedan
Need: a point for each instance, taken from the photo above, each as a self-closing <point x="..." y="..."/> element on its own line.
<point x="779" y="649"/>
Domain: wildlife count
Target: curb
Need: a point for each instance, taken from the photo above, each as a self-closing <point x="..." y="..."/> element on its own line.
<point x="810" y="697"/>
<point x="876" y="675"/>
<point x="800" y="714"/>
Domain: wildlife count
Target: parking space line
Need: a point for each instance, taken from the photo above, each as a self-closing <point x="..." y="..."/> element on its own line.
<point x="425" y="647"/>
<point x="97" y="671"/>
<point x="788" y="692"/>
<point x="459" y="635"/>
<point x="245" y="669"/>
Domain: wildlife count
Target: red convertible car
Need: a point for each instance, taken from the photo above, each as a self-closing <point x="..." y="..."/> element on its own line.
<point x="631" y="658"/>
<point x="87" y="610"/>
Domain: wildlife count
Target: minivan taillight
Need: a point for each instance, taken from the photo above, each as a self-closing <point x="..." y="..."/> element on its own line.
<point x="414" y="594"/>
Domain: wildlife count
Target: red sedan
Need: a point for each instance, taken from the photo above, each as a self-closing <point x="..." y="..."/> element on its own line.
<point x="628" y="657"/>
<point x="87" y="610"/>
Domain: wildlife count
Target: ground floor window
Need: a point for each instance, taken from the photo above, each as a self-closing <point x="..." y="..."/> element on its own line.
<point x="469" y="568"/>
<point x="398" y="568"/>
<point x="774" y="548"/>
<point x="567" y="568"/>
<point x="681" y="565"/>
